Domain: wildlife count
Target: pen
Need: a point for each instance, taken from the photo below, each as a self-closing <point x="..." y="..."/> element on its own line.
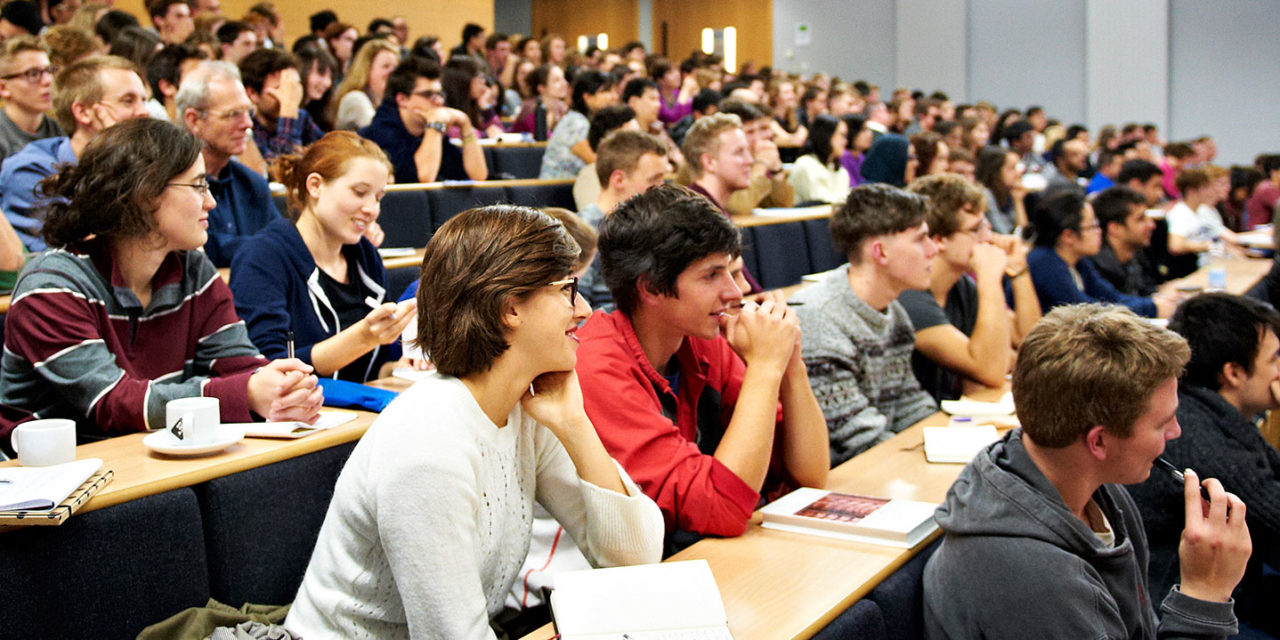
<point x="1179" y="476"/>
<point x="288" y="342"/>
<point x="743" y="303"/>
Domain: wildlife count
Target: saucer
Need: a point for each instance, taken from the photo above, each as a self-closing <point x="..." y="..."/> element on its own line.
<point x="164" y="442"/>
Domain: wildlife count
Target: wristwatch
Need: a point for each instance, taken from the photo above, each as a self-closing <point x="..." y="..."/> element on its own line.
<point x="438" y="126"/>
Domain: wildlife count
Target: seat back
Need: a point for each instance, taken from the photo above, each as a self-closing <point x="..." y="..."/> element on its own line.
<point x="107" y="573"/>
<point x="559" y="194"/>
<point x="261" y="525"/>
<point x="782" y="253"/>
<point x="449" y="201"/>
<point x="406" y="218"/>
<point x="515" y="162"/>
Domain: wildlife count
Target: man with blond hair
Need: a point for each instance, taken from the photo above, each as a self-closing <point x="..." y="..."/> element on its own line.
<point x="627" y="163"/>
<point x="719" y="157"/>
<point x="26" y="86"/>
<point x="963" y="330"/>
<point x="92" y="95"/>
<point x="1040" y="516"/>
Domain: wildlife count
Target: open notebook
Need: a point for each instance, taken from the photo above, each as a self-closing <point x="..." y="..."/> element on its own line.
<point x="672" y="600"/>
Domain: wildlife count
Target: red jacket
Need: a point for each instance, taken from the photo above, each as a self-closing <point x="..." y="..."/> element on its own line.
<point x="664" y="440"/>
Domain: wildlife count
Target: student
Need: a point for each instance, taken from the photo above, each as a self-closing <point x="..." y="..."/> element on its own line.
<point x="858" y="339"/>
<point x="629" y="163"/>
<point x="1194" y="222"/>
<point x="997" y="171"/>
<point x="317" y="276"/>
<point x="683" y="388"/>
<point x="431" y="516"/>
<point x="818" y="176"/>
<point x="1066" y="231"/>
<point x="720" y="161"/>
<point x="125" y="313"/>
<point x="567" y="149"/>
<point x="1127" y="229"/>
<point x="364" y="86"/>
<point x="1040" y="541"/>
<point x="1232" y="377"/>
<point x="411" y="123"/>
<point x="891" y="161"/>
<point x="26" y="85"/>
<point x="768" y="186"/>
<point x="281" y="126"/>
<point x="963" y="328"/>
<point x="92" y="94"/>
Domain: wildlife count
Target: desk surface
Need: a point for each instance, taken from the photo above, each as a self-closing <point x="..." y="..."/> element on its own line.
<point x="140" y="473"/>
<point x="1242" y="274"/>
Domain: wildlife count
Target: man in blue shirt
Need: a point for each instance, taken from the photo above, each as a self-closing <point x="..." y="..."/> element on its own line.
<point x="412" y="123"/>
<point x="90" y="95"/>
<point x="213" y="105"/>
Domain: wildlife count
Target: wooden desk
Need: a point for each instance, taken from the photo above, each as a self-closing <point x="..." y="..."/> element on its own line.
<point x="781" y="216"/>
<point x="785" y="585"/>
<point x="140" y="473"/>
<point x="1242" y="274"/>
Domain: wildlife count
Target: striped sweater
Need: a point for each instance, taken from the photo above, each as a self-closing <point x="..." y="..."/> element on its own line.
<point x="859" y="363"/>
<point x="79" y="345"/>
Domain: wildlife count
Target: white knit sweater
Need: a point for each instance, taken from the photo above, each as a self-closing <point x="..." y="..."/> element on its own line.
<point x="431" y="516"/>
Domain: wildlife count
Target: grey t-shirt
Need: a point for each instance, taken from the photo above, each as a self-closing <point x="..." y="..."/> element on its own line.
<point x="13" y="139"/>
<point x="961" y="312"/>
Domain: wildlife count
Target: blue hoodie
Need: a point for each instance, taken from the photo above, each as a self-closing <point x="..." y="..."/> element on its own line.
<point x="276" y="285"/>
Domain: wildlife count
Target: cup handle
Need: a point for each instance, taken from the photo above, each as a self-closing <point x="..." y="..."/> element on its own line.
<point x="13" y="440"/>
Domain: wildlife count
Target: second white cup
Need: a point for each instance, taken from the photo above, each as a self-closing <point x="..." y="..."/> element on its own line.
<point x="41" y="443"/>
<point x="193" y="420"/>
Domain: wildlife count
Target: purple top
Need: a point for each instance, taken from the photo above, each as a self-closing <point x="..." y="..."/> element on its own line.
<point x="670" y="113"/>
<point x="853" y="164"/>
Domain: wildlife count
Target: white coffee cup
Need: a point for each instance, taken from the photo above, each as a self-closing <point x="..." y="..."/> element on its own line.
<point x="41" y="443"/>
<point x="193" y="420"/>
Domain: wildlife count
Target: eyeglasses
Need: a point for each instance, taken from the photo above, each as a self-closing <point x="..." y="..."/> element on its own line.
<point x="573" y="288"/>
<point x="201" y="186"/>
<point x="1092" y="226"/>
<point x="979" y="230"/>
<point x="32" y="75"/>
<point x="429" y="94"/>
<point x="233" y="114"/>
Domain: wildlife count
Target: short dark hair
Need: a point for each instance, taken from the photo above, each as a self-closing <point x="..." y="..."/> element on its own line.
<point x="493" y="40"/>
<point x="111" y="193"/>
<point x="705" y="99"/>
<point x="160" y="7"/>
<point x="874" y="210"/>
<point x="474" y="264"/>
<point x="406" y="74"/>
<point x="255" y="67"/>
<point x="652" y="238"/>
<point x="471" y="30"/>
<point x="1114" y="204"/>
<point x="604" y="121"/>
<point x="636" y="88"/>
<point x="112" y="22"/>
<point x="25" y="14"/>
<point x="166" y="64"/>
<point x="320" y="20"/>
<point x="745" y="111"/>
<point x="1140" y="170"/>
<point x="1221" y="329"/>
<point x="1016" y="129"/>
<point x="589" y="82"/>
<point x="378" y="23"/>
<point x="230" y="30"/>
<point x="1062" y="211"/>
<point x="1269" y="163"/>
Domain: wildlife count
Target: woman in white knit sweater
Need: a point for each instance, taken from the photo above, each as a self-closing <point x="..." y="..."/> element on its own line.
<point x="431" y="516"/>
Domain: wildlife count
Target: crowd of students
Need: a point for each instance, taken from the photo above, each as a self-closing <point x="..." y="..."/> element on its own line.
<point x="690" y="396"/>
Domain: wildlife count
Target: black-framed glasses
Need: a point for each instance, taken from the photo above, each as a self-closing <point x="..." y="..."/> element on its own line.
<point x="430" y="94"/>
<point x="201" y="186"/>
<point x="573" y="288"/>
<point x="32" y="75"/>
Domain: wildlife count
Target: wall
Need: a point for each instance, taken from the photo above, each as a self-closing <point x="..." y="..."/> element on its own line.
<point x="1224" y="61"/>
<point x="513" y="16"/>
<point x="572" y="18"/>
<point x="931" y="46"/>
<point x="1128" y="69"/>
<point x="1024" y="52"/>
<point x="853" y="39"/>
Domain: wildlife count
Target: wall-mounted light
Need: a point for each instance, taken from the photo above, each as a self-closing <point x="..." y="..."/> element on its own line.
<point x="730" y="49"/>
<point x="708" y="41"/>
<point x="602" y="41"/>
<point x="583" y="43"/>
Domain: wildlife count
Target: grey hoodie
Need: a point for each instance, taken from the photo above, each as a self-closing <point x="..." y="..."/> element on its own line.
<point x="1016" y="563"/>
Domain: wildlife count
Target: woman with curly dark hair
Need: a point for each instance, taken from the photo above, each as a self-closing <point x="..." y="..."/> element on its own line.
<point x="124" y="312"/>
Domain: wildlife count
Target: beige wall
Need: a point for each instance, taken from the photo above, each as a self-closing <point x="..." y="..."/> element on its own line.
<point x="426" y="17"/>
<point x="572" y="18"/>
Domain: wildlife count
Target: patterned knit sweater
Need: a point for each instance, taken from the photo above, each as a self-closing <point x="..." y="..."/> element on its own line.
<point x="80" y="345"/>
<point x="859" y="362"/>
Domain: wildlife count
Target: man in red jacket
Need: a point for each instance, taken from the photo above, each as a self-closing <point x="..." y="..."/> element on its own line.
<point x="683" y="383"/>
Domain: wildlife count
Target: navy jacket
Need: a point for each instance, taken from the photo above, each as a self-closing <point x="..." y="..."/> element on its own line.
<point x="387" y="129"/>
<point x="1054" y="285"/>
<point x="276" y="285"/>
<point x="244" y="206"/>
